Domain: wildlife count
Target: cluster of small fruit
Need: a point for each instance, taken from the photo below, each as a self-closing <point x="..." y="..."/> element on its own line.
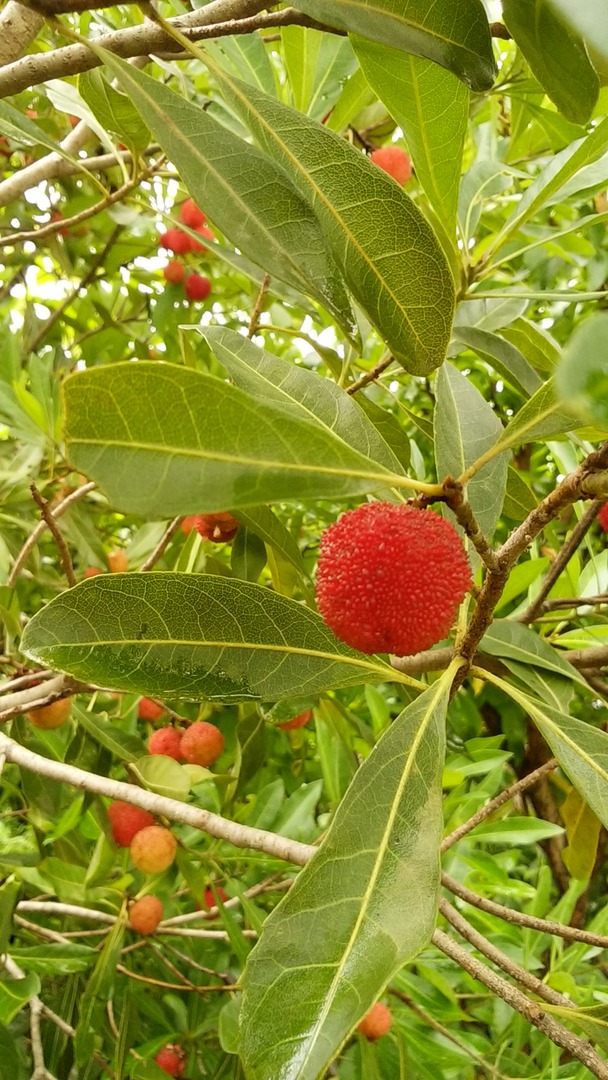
<point x="200" y="743"/>
<point x="196" y="286"/>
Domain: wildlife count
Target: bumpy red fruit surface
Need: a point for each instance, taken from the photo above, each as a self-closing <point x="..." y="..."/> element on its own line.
<point x="167" y="741"/>
<point x="150" y="710"/>
<point x="175" y="240"/>
<point x="390" y="578"/>
<point x="172" y="1059"/>
<point x="377" y="1022"/>
<point x="153" y="849"/>
<point x="197" y="287"/>
<point x="394" y="161"/>
<point x="127" y="821"/>
<point x="145" y="914"/>
<point x="602" y="517"/>
<point x="191" y="214"/>
<point x="174" y="272"/>
<point x="202" y="743"/>
<point x="297" y="722"/>
<point x="220" y="527"/>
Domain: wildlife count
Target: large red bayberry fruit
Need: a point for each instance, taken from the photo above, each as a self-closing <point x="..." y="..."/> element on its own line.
<point x="602" y="517"/>
<point x="167" y="741"/>
<point x="297" y="721"/>
<point x="153" y="849"/>
<point x="394" y="161"/>
<point x="172" y="1059"/>
<point x="175" y="240"/>
<point x="191" y="214"/>
<point x="150" y="710"/>
<point x="202" y="744"/>
<point x="390" y="578"/>
<point x="127" y="821"/>
<point x="377" y="1022"/>
<point x="197" y="287"/>
<point x="220" y="527"/>
<point x="145" y="914"/>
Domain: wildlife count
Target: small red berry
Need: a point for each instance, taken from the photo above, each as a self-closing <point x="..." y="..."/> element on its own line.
<point x="153" y="849"/>
<point x="174" y="272"/>
<point x="209" y="899"/>
<point x="207" y="234"/>
<point x="145" y="914"/>
<point x="175" y="240"/>
<point x="197" y="287"/>
<point x="92" y="571"/>
<point x="602" y="517"/>
<point x="118" y="561"/>
<point x="172" y="1059"/>
<point x="220" y="527"/>
<point x="390" y="578"/>
<point x="126" y="821"/>
<point x="394" y="161"/>
<point x="377" y="1022"/>
<point x="167" y="741"/>
<point x="191" y="214"/>
<point x="150" y="710"/>
<point x="202" y="743"/>
<point x="297" y="722"/>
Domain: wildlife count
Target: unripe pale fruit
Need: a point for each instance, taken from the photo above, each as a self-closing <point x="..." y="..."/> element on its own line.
<point x="297" y="722"/>
<point x="191" y="214"/>
<point x="145" y="915"/>
<point x="50" y="716"/>
<point x="602" y="517"/>
<point x="118" y="561"/>
<point x="394" y="161"/>
<point x="197" y="287"/>
<point x="174" y="272"/>
<point x="150" y="710"/>
<point x="202" y="743"/>
<point x="172" y="1059"/>
<point x="153" y="849"/>
<point x="175" y="240"/>
<point x="390" y="578"/>
<point x="92" y="571"/>
<point x="167" y="741"/>
<point x="377" y="1022"/>
<point x="126" y="821"/>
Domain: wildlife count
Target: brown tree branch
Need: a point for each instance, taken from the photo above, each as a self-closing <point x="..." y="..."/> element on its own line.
<point x="34" y="537"/>
<point x="570" y="545"/>
<point x="162" y="545"/>
<point x="371" y="376"/>
<point x="48" y="167"/>
<point x="18" y="27"/>
<point x="47" y="516"/>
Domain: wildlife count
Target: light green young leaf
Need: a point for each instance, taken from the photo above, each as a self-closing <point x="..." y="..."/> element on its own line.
<point x="331" y="945"/>
<point x="164" y="440"/>
<point x="14" y="994"/>
<point x="588" y="21"/>
<point x="114" y="111"/>
<point x="513" y="640"/>
<point x="194" y="636"/>
<point x="581" y="377"/>
<point x="388" y="254"/>
<point x="456" y="36"/>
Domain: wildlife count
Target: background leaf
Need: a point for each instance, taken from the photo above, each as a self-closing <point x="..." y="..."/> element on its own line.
<point x="581" y="377"/>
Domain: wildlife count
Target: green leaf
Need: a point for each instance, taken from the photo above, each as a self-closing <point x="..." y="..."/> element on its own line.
<point x="519" y="497"/>
<point x="261" y="521"/>
<point x="456" y="36"/>
<point x="388" y="254"/>
<point x="164" y="440"/>
<point x="122" y="744"/>
<point x="515" y="830"/>
<point x="504" y="357"/>
<point x="9" y="891"/>
<point x="194" y="636"/>
<point x="14" y="994"/>
<point x="56" y="959"/>
<point x="99" y="988"/>
<point x="115" y="111"/>
<point x="247" y="56"/>
<point x="465" y="427"/>
<point x="582" y="374"/>
<point x="339" y="935"/>
<point x="583" y="832"/>
<point x="310" y="396"/>
<point x="588" y="21"/>
<point x="244" y="193"/>
<point x="513" y="640"/>
<point x="248" y="555"/>
<point x="18" y="127"/>
<point x="539" y="418"/>
<point x="557" y="58"/>
<point x="431" y="107"/>
<point x="162" y="775"/>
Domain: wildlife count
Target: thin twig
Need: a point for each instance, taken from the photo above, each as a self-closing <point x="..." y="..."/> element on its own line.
<point x="570" y="545"/>
<point x="33" y="539"/>
<point x="498" y="800"/>
<point x="520" y="918"/>
<point x="572" y="601"/>
<point x="371" y="376"/>
<point x="461" y="508"/>
<point x="26" y="680"/>
<point x="530" y="1010"/>
<point x="163" y="543"/>
<point x="259" y="304"/>
<point x="47" y="515"/>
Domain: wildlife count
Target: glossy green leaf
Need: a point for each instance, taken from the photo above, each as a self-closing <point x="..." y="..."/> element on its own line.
<point x="456" y="36"/>
<point x="260" y="373"/>
<point x="115" y="111"/>
<point x="516" y="830"/>
<point x="248" y="555"/>
<point x="193" y="636"/>
<point x="519" y="497"/>
<point x="247" y="56"/>
<point x="513" y="640"/>
<point x="556" y="56"/>
<point x="355" y="96"/>
<point x="588" y="21"/>
<point x="244" y="193"/>
<point x="56" y="959"/>
<point x="162" y="775"/>
<point x="161" y="440"/>
<point x="122" y="744"/>
<point x="388" y="254"/>
<point x="431" y="107"/>
<point x="14" y="125"/>
<point x="14" y="994"/>
<point x="340" y="934"/>
<point x="582" y="375"/>
<point x="465" y="427"/>
<point x="504" y="357"/>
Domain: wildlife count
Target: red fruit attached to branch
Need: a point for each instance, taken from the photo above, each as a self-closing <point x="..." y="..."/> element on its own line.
<point x="390" y="578"/>
<point x="191" y="214"/>
<point x="377" y="1022"/>
<point x="202" y="743"/>
<point x="174" y="272"/>
<point x="172" y="1059"/>
<point x="394" y="161"/>
<point x="126" y="821"/>
<point x="197" y="287"/>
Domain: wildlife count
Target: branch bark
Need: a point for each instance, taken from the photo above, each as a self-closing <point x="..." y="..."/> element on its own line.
<point x="18" y="27"/>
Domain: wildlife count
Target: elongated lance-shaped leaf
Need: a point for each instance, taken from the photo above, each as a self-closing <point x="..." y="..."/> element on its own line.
<point x="246" y="194"/>
<point x="365" y="904"/>
<point x="195" y="636"/>
<point x="455" y="35"/>
<point x="257" y="371"/>
<point x="162" y="440"/>
<point x="388" y="253"/>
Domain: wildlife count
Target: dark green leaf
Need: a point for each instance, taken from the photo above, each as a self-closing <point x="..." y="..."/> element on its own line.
<point x="115" y="112"/>
<point x="504" y="357"/>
